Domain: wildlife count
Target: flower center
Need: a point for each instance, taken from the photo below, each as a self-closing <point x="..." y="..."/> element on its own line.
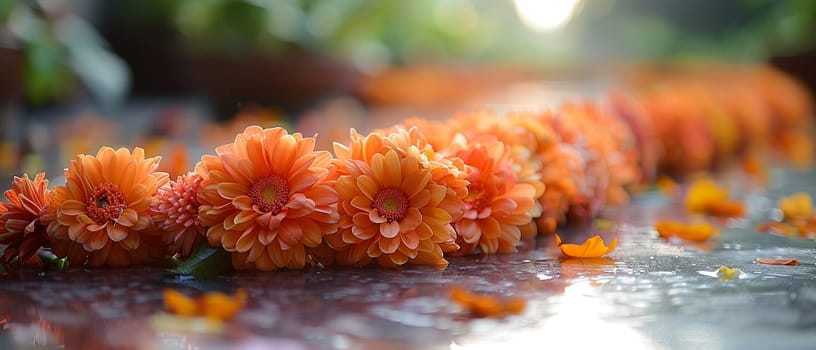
<point x="105" y="203"/>
<point x="477" y="197"/>
<point x="391" y="204"/>
<point x="270" y="193"/>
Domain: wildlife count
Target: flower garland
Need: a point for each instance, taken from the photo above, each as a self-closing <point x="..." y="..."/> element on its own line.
<point x="414" y="193"/>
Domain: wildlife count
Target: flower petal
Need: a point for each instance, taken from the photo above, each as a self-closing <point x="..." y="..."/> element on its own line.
<point x="593" y="247"/>
<point x="389" y="229"/>
<point x="117" y="232"/>
<point x="368" y="186"/>
<point x="389" y="245"/>
<point x="231" y="190"/>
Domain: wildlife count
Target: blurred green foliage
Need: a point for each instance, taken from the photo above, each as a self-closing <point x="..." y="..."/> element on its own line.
<point x="394" y="31"/>
<point x="58" y="47"/>
<point x="376" y="33"/>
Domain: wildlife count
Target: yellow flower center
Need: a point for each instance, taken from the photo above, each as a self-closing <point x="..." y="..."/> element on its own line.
<point x="391" y="204"/>
<point x="270" y="193"/>
<point x="106" y="202"/>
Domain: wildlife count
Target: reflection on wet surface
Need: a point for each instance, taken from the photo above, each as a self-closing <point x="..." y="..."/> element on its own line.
<point x="648" y="293"/>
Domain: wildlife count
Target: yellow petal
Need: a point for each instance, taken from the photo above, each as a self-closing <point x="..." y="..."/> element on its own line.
<point x="728" y="274"/>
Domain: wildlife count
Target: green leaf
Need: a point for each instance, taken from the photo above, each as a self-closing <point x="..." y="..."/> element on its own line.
<point x="51" y="261"/>
<point x="205" y="262"/>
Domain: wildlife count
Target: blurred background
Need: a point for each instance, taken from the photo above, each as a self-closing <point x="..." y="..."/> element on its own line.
<point x="181" y="77"/>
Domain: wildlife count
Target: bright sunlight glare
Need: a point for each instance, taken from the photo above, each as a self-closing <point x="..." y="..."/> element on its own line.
<point x="545" y="15"/>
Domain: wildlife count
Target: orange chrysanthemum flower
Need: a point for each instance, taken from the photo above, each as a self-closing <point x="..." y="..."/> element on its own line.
<point x="610" y="139"/>
<point x="390" y="212"/>
<point x="563" y="172"/>
<point x="21" y="227"/>
<point x="267" y="197"/>
<point x="526" y="136"/>
<point x="103" y="211"/>
<point x="450" y="172"/>
<point x="496" y="204"/>
<point x="397" y="201"/>
<point x="175" y="211"/>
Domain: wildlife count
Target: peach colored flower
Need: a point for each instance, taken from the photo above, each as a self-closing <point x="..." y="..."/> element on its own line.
<point x="630" y="111"/>
<point x="496" y="204"/>
<point x="562" y="171"/>
<point x="608" y="138"/>
<point x="267" y="197"/>
<point x="21" y="227"/>
<point x="446" y="170"/>
<point x="396" y="201"/>
<point x="103" y="211"/>
<point x="590" y="142"/>
<point x="175" y="211"/>
<point x="389" y="213"/>
<point x="526" y="136"/>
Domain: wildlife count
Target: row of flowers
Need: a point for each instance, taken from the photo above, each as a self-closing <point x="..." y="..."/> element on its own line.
<point x="414" y="193"/>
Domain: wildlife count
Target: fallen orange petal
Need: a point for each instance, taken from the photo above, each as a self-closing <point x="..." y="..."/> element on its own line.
<point x="179" y="304"/>
<point x="593" y="247"/>
<point x="798" y="206"/>
<point x="221" y="306"/>
<point x="755" y="168"/>
<point x="690" y="232"/>
<point x="589" y="262"/>
<point x="667" y="186"/>
<point x="774" y="261"/>
<point x="706" y="197"/>
<point x="807" y="229"/>
<point x="482" y="305"/>
<point x="778" y="228"/>
<point x="726" y="209"/>
<point x="212" y="305"/>
<point x="702" y="192"/>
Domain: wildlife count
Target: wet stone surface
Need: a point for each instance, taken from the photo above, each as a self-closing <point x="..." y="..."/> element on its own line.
<point x="649" y="293"/>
